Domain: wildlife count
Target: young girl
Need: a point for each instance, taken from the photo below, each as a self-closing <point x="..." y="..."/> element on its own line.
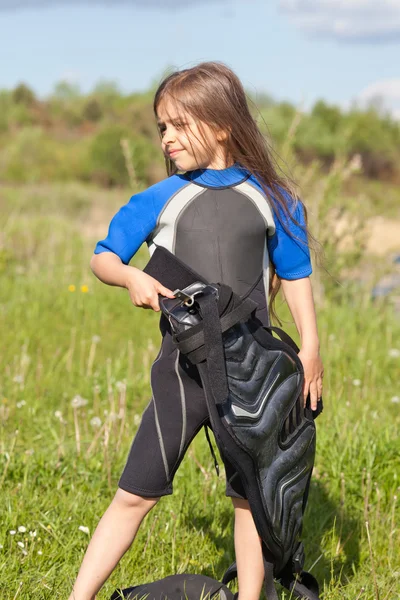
<point x="225" y="212"/>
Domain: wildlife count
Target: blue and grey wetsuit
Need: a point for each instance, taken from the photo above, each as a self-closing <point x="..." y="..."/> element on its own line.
<point x="220" y="223"/>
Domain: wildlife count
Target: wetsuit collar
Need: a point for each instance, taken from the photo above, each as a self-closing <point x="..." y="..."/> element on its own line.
<point x="219" y="178"/>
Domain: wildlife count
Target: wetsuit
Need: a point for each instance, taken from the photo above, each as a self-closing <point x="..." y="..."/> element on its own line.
<point x="220" y="223"/>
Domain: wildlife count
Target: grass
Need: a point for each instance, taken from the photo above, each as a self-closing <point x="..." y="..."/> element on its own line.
<point x="74" y="379"/>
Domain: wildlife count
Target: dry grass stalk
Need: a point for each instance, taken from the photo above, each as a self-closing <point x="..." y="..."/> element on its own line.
<point x="121" y="414"/>
<point x="392" y="528"/>
<point x="95" y="439"/>
<point x="127" y="152"/>
<point x="131" y="356"/>
<point x="109" y="386"/>
<point x="106" y="457"/>
<point x="14" y="441"/>
<point x="77" y="433"/>
<point x="71" y="350"/>
<point x="149" y="535"/>
<point x="92" y="355"/>
<point x="371" y="555"/>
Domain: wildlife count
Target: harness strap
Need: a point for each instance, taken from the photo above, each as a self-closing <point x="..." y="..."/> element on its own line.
<point x="214" y="348"/>
<point x="216" y="465"/>
<point x="195" y="341"/>
<point x="284" y="337"/>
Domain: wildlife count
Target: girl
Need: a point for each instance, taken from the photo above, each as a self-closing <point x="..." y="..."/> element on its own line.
<point x="226" y="212"/>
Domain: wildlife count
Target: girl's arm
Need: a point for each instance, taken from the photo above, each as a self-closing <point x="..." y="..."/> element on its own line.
<point x="143" y="289"/>
<point x="299" y="296"/>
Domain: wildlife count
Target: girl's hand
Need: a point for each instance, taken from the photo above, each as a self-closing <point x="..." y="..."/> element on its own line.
<point x="144" y="289"/>
<point x="313" y="374"/>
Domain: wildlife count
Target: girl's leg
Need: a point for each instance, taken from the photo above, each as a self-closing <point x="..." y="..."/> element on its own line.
<point x="112" y="538"/>
<point x="248" y="552"/>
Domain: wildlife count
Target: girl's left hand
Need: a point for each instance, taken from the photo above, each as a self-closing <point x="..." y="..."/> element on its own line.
<point x="313" y="374"/>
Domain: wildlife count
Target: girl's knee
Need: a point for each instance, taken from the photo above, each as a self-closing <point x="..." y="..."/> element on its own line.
<point x="128" y="500"/>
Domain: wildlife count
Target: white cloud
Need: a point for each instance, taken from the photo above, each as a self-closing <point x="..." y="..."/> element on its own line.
<point x="385" y="94"/>
<point x="160" y="4"/>
<point x="348" y="20"/>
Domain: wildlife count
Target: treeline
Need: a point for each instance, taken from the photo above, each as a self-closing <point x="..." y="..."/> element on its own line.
<point x="107" y="138"/>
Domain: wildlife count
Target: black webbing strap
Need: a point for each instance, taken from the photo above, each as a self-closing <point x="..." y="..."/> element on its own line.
<point x="216" y="465"/>
<point x="227" y="321"/>
<point x="214" y="347"/>
<point x="284" y="337"/>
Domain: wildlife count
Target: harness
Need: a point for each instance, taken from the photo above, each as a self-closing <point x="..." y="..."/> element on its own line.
<point x="253" y="384"/>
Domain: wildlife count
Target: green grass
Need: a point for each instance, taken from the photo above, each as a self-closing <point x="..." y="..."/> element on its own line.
<point x="59" y="470"/>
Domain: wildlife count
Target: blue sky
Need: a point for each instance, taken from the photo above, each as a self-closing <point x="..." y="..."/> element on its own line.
<point x="299" y="50"/>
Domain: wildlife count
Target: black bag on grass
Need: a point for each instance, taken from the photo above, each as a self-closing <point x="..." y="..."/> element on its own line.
<point x="177" y="587"/>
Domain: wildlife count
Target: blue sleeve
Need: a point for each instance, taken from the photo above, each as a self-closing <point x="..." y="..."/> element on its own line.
<point x="290" y="257"/>
<point x="130" y="227"/>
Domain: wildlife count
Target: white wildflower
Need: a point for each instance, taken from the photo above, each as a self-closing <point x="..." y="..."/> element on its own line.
<point x="395" y="399"/>
<point x="1" y="546"/>
<point x="21" y="544"/>
<point x="58" y="414"/>
<point x="394" y="353"/>
<point x="136" y="420"/>
<point x="357" y="382"/>
<point x="84" y="529"/>
<point x="40" y="552"/>
<point x="12" y="532"/>
<point x="121" y="386"/>
<point x="18" y="379"/>
<point x="78" y="401"/>
<point x="348" y="403"/>
<point x="113" y="417"/>
<point x="96" y="339"/>
<point x="95" y="422"/>
<point x="24" y="552"/>
<point x="32" y="534"/>
<point x="22" y="529"/>
<point x="21" y="404"/>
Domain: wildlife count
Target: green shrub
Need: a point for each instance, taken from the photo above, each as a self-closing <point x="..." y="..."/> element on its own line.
<point x="108" y="163"/>
<point x="22" y="94"/>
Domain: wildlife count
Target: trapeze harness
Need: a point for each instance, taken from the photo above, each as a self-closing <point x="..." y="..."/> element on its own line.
<point x="253" y="384"/>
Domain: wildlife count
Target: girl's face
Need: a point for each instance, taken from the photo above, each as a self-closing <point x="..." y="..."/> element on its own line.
<point x="189" y="146"/>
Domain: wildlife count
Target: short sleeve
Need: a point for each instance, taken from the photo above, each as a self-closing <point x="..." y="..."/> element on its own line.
<point x="290" y="256"/>
<point x="130" y="227"/>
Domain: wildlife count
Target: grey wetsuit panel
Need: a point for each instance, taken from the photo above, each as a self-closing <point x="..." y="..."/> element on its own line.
<point x="221" y="234"/>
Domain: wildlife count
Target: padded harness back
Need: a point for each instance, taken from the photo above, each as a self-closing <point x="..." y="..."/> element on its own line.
<point x="253" y="384"/>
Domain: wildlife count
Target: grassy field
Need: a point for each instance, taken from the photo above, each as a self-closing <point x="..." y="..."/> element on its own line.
<point x="74" y="378"/>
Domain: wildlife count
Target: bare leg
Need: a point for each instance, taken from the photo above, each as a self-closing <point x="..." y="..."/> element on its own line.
<point x="248" y="552"/>
<point x="112" y="538"/>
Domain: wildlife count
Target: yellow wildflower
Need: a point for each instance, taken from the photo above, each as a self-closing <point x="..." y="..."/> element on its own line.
<point x="84" y="289"/>
<point x="71" y="288"/>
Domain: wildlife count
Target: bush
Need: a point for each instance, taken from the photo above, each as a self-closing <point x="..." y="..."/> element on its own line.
<point x="108" y="163"/>
<point x="92" y="111"/>
<point x="22" y="94"/>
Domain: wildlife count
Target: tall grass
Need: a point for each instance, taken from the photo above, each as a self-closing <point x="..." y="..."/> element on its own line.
<point x="74" y="379"/>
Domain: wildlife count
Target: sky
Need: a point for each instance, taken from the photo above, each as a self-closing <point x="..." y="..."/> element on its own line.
<point x="342" y="51"/>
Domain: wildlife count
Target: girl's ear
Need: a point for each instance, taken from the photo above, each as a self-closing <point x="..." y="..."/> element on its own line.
<point x="222" y="135"/>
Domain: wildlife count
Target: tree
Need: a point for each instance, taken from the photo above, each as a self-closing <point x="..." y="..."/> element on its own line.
<point x="23" y="94"/>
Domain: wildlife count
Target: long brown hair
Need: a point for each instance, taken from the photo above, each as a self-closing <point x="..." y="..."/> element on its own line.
<point x="211" y="93"/>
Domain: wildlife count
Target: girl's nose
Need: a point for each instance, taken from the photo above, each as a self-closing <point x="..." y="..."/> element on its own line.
<point x="169" y="136"/>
